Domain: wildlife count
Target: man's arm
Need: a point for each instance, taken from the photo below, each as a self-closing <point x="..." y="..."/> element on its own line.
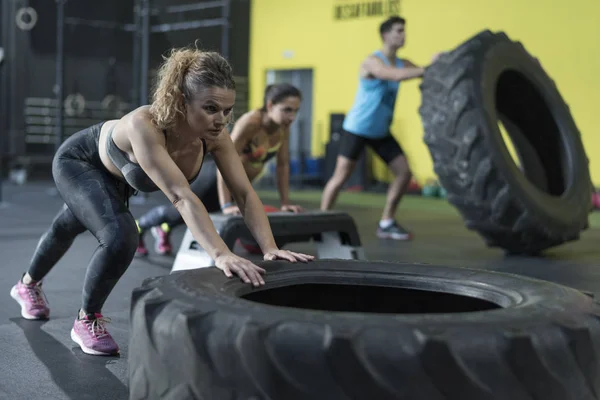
<point x="378" y="69"/>
<point x="408" y="63"/>
<point x="149" y="149"/>
<point x="233" y="174"/>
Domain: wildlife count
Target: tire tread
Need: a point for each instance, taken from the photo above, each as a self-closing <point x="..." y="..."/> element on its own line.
<point x="454" y="134"/>
<point x="442" y="366"/>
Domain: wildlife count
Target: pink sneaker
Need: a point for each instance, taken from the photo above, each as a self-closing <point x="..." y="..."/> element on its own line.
<point x="93" y="338"/>
<point x="141" y="249"/>
<point x="162" y="244"/>
<point x="32" y="300"/>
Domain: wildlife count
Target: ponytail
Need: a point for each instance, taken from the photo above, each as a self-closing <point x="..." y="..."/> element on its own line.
<point x="184" y="72"/>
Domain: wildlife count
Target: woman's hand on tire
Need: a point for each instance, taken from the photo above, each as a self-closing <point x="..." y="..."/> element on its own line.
<point x="246" y="270"/>
<point x="287" y="255"/>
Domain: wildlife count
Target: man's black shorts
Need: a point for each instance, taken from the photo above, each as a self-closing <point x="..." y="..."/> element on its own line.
<point x="387" y="147"/>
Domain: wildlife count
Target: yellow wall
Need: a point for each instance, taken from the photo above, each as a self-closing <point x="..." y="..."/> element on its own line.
<point x="562" y="34"/>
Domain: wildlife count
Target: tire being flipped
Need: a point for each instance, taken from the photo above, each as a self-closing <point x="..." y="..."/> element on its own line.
<point x="464" y="95"/>
<point x="343" y="329"/>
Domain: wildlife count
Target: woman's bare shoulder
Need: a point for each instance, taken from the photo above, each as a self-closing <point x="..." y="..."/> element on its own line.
<point x="137" y="123"/>
<point x="139" y="119"/>
<point x="250" y="119"/>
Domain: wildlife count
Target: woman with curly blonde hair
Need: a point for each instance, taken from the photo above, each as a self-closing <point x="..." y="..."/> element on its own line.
<point x="258" y="136"/>
<point x="157" y="147"/>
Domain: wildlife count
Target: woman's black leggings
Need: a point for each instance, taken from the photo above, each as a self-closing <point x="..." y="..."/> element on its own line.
<point x="95" y="200"/>
<point x="204" y="186"/>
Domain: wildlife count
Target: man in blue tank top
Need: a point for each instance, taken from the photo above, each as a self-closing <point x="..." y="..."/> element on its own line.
<point x="368" y="124"/>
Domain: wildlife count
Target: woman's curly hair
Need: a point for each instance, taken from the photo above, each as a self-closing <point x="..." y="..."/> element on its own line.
<point x="182" y="74"/>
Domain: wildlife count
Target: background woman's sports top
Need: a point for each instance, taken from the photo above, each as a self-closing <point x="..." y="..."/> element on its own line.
<point x="133" y="173"/>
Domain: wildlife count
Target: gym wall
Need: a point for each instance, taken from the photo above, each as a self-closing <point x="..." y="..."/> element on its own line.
<point x="29" y="68"/>
<point x="31" y="63"/>
<point x="295" y="34"/>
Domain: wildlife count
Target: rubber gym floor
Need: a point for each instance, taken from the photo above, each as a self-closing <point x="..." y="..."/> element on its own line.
<point x="41" y="362"/>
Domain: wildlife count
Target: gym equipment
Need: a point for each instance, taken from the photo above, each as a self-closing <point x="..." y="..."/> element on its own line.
<point x="113" y="104"/>
<point x="26" y="18"/>
<point x="250" y="245"/>
<point x="487" y="78"/>
<point x="141" y="28"/>
<point x="333" y="232"/>
<point x="376" y="330"/>
<point x="41" y="132"/>
<point x="430" y="189"/>
<point x="74" y="105"/>
<point x="414" y="187"/>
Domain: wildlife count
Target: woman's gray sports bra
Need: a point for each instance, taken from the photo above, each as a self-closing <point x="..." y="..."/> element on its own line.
<point x="135" y="176"/>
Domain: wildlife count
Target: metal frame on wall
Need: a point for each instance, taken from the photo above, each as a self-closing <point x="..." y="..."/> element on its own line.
<point x="3" y="103"/>
<point x="142" y="30"/>
<point x="37" y="123"/>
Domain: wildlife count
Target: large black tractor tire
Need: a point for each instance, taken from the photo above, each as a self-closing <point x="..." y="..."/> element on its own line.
<point x="465" y="93"/>
<point x="345" y="330"/>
